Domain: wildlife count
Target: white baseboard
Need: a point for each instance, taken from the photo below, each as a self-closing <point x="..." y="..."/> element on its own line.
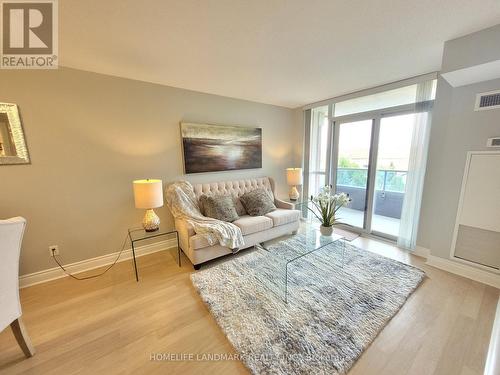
<point x="465" y="270"/>
<point x="90" y="264"/>
<point x="422" y="252"/>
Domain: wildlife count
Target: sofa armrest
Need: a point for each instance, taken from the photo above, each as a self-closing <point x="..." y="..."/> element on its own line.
<point x="185" y="231"/>
<point x="282" y="204"/>
<point x="186" y="227"/>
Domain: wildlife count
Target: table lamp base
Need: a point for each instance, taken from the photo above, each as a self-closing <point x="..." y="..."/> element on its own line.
<point x="151" y="221"/>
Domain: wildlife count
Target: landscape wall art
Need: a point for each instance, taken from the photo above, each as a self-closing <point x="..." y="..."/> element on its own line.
<point x="215" y="148"/>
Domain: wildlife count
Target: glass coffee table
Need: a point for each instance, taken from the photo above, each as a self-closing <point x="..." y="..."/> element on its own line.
<point x="308" y="241"/>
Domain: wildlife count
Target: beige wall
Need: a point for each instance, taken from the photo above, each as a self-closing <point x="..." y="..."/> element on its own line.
<point x="298" y="123"/>
<point x="90" y="135"/>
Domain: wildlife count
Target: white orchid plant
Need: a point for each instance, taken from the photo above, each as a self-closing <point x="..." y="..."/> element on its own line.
<point x="326" y="204"/>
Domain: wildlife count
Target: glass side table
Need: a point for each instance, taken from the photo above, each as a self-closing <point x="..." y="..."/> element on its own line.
<point x="139" y="234"/>
<point x="299" y="204"/>
<point x="296" y="202"/>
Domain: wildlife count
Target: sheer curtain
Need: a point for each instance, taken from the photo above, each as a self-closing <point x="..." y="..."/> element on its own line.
<point x="319" y="135"/>
<point x="410" y="213"/>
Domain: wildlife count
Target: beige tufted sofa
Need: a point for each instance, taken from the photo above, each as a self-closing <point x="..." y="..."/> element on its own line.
<point x="255" y="229"/>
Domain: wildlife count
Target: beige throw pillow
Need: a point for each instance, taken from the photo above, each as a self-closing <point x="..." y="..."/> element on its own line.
<point x="257" y="202"/>
<point x="220" y="207"/>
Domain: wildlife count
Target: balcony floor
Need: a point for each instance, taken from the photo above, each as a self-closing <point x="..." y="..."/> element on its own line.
<point x="382" y="224"/>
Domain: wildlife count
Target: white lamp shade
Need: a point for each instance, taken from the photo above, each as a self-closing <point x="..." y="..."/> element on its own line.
<point x="294" y="176"/>
<point x="148" y="193"/>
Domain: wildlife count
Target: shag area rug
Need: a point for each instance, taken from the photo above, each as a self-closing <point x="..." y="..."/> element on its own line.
<point x="332" y="315"/>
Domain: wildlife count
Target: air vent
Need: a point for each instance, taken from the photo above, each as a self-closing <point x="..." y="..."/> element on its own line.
<point x="487" y="100"/>
<point x="493" y="142"/>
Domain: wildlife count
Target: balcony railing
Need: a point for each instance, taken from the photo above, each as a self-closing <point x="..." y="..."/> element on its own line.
<point x="389" y="189"/>
<point x="386" y="179"/>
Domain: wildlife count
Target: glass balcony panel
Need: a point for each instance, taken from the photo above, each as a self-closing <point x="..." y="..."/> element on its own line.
<point x="392" y="170"/>
<point x="352" y="169"/>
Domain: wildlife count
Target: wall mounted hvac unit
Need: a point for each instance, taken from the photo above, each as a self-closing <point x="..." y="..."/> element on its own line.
<point x="487" y="100"/>
<point x="476" y="238"/>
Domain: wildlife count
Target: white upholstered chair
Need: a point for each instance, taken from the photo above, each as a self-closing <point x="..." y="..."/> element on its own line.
<point x="11" y="238"/>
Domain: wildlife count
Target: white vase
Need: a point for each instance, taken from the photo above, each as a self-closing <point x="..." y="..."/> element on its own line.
<point x="326" y="231"/>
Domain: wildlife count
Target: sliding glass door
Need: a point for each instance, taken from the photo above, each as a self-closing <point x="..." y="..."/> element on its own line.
<point x="353" y="159"/>
<point x="371" y="158"/>
<point x="393" y="154"/>
<point x="374" y="148"/>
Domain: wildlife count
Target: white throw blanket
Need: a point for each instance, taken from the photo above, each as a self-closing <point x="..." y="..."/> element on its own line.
<point x="183" y="204"/>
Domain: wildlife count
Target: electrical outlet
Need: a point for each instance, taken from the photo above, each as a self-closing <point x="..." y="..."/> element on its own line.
<point x="53" y="250"/>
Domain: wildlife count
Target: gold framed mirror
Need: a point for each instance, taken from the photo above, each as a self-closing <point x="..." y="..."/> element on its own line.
<point x="13" y="149"/>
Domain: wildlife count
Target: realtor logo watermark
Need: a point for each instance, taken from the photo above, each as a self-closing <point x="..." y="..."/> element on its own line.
<point x="29" y="34"/>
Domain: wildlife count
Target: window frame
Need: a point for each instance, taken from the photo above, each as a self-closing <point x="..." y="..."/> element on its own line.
<point x="333" y="138"/>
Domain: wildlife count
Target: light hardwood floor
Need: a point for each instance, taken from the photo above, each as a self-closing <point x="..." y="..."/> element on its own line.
<point x="113" y="325"/>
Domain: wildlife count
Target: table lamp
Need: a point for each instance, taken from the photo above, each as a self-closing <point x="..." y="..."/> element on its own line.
<point x="293" y="179"/>
<point x="148" y="194"/>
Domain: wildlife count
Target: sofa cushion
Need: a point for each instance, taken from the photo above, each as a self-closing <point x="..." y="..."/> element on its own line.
<point x="220" y="207"/>
<point x="253" y="224"/>
<point x="282" y="217"/>
<point x="257" y="202"/>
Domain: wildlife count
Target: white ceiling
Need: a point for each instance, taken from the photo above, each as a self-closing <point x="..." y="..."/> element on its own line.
<point x="283" y="52"/>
